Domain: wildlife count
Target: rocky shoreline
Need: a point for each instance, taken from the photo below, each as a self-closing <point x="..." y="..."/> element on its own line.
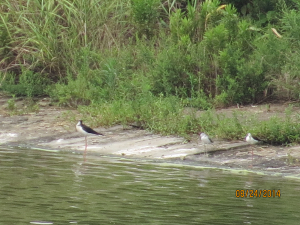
<point x="48" y="129"/>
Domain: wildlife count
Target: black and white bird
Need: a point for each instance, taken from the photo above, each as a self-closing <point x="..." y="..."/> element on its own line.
<point x="252" y="141"/>
<point x="205" y="139"/>
<point x="86" y="131"/>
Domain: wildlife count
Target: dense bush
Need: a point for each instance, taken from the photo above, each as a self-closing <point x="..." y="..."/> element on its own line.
<point x="137" y="53"/>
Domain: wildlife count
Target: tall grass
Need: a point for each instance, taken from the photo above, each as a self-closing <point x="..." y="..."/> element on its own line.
<point x="150" y="59"/>
<point x="45" y="35"/>
<point x="185" y="49"/>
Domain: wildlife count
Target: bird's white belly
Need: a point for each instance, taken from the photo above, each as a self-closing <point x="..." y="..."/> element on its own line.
<point x="251" y="141"/>
<point x="206" y="140"/>
<point x="80" y="130"/>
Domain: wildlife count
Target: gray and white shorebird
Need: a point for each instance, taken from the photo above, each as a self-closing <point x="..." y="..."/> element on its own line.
<point x="205" y="139"/>
<point x="86" y="131"/>
<point x="252" y="141"/>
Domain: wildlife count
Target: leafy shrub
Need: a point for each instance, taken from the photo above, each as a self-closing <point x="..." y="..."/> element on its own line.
<point x="242" y="80"/>
<point x="278" y="130"/>
<point x="29" y="84"/>
<point x="145" y="14"/>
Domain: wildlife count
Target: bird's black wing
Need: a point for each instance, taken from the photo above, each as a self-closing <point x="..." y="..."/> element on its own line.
<point x="90" y="130"/>
<point x="260" y="140"/>
<point x="257" y="138"/>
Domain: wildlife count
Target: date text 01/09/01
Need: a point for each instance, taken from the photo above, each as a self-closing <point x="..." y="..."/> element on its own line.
<point x="240" y="193"/>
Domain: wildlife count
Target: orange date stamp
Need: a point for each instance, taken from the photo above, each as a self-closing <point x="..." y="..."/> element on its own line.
<point x="255" y="193"/>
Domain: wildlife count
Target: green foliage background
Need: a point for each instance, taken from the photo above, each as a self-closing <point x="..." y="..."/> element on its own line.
<point x="146" y="60"/>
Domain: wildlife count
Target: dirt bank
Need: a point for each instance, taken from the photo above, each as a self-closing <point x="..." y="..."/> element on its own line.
<point x="52" y="128"/>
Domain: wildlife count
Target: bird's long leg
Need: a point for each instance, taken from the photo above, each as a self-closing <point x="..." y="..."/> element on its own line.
<point x="85" y="143"/>
<point x="84" y="153"/>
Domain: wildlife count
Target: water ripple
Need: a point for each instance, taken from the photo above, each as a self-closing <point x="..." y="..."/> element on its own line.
<point x="60" y="188"/>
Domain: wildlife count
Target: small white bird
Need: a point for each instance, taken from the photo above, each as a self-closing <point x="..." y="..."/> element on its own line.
<point x="205" y="139"/>
<point x="86" y="131"/>
<point x="252" y="141"/>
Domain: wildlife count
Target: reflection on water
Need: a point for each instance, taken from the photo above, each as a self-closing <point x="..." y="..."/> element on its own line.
<point x="60" y="188"/>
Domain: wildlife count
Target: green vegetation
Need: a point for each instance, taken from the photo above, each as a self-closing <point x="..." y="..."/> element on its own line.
<point x="15" y="109"/>
<point x="146" y="61"/>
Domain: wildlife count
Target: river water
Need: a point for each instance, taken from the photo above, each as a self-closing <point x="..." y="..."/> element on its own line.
<point x="38" y="187"/>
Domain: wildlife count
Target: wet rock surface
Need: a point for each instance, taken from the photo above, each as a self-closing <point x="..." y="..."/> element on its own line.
<point x="48" y="129"/>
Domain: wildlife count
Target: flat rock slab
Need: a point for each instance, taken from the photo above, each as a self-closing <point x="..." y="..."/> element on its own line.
<point x="136" y="143"/>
